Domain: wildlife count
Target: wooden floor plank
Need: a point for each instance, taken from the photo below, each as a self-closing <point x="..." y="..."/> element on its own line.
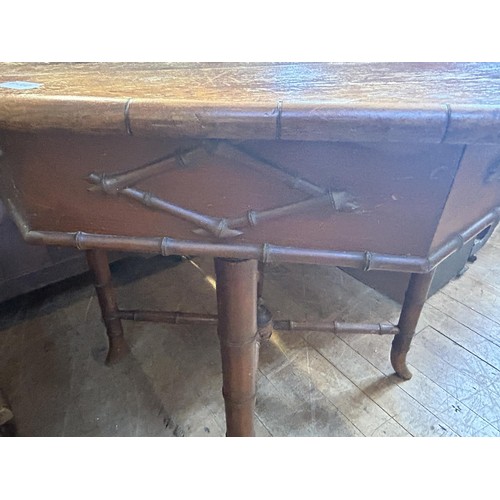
<point x="391" y="428"/>
<point x="449" y="307"/>
<point x="424" y="390"/>
<point x="455" y="382"/>
<point x="474" y="368"/>
<point x="487" y="404"/>
<point x="460" y="418"/>
<point x="366" y="414"/>
<point x="314" y="384"/>
<point x="487" y="267"/>
<point x="280" y="351"/>
<point x="478" y="296"/>
<point x="383" y="390"/>
<point x="323" y="292"/>
<point x="287" y="410"/>
<point x="446" y="375"/>
<point x="317" y="374"/>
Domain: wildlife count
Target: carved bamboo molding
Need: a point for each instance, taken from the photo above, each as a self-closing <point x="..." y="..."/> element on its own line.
<point x="122" y="183"/>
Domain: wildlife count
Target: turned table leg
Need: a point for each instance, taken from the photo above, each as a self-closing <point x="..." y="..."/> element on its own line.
<point x="99" y="265"/>
<point x="237" y="329"/>
<point x="415" y="297"/>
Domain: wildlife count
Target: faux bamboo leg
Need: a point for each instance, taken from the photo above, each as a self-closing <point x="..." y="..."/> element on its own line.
<point x="118" y="347"/>
<point x="415" y="297"/>
<point x="237" y="329"/>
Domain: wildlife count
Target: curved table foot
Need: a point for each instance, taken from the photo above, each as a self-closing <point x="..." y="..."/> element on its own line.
<point x="398" y="358"/>
<point x="99" y="265"/>
<point x="118" y="349"/>
<point x="415" y="297"/>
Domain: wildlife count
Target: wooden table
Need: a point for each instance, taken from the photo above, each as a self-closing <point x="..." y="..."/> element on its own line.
<point x="374" y="166"/>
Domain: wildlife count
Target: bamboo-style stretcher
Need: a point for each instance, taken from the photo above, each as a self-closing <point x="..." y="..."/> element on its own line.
<point x="253" y="164"/>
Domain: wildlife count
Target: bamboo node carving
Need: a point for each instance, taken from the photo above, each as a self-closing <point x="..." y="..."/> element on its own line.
<point x="368" y="261"/>
<point x="164" y="246"/>
<point x="266" y="255"/>
<point x="252" y="218"/>
<point x="79" y="240"/>
<point x="147" y="198"/>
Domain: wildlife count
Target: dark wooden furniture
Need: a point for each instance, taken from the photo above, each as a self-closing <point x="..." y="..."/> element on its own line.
<point x="24" y="268"/>
<point x="388" y="167"/>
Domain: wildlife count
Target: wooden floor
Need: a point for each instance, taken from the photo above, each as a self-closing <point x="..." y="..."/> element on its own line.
<point x="52" y="348"/>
